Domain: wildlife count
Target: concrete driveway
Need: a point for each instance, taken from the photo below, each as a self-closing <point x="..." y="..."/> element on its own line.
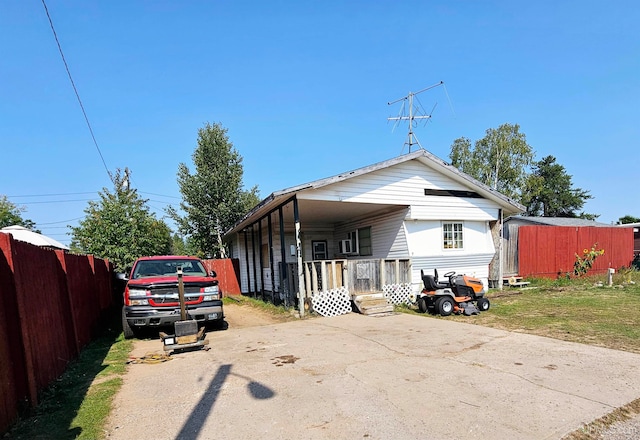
<point x="360" y="377"/>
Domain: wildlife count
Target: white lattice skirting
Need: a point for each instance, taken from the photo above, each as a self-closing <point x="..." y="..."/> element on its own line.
<point x="397" y="293"/>
<point x="332" y="302"/>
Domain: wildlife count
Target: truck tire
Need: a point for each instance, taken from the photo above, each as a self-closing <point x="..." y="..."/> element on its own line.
<point x="126" y="328"/>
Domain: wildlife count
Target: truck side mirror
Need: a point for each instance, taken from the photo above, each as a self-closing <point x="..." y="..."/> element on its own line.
<point x="213" y="274"/>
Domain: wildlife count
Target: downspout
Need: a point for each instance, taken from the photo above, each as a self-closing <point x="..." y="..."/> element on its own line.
<point x="301" y="291"/>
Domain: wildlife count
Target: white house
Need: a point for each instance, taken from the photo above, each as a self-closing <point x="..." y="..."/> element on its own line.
<point x="370" y="229"/>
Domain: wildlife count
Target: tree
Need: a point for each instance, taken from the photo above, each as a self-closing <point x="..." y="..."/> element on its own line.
<point x="549" y="192"/>
<point x="120" y="227"/>
<point x="628" y="219"/>
<point x="212" y="197"/>
<point x="499" y="160"/>
<point x="11" y="214"/>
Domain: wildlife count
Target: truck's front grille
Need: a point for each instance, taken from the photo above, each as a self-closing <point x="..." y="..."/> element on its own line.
<point x="164" y="295"/>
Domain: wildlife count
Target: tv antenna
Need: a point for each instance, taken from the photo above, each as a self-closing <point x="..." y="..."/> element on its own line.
<point x="412" y="117"/>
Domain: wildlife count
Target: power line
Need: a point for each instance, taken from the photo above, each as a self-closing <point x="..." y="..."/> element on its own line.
<point x="58" y="194"/>
<point x="56" y="201"/>
<point x="76" y="91"/>
<point x="161" y="195"/>
<point x="57" y="223"/>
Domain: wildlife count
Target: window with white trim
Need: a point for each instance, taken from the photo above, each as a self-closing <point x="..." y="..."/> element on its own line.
<point x="452" y="235"/>
<point x="364" y="241"/>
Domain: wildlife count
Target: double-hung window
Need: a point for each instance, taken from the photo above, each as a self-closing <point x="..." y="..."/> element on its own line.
<point x="452" y="237"/>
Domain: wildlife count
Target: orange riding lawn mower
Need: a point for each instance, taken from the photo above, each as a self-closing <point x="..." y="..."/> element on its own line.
<point x="458" y="294"/>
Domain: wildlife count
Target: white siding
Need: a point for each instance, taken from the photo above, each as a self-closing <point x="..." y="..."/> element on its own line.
<point x="399" y="184"/>
<point x="427" y="251"/>
<point x="425" y="238"/>
<point x="388" y="238"/>
<point x="437" y="208"/>
<point x="404" y="184"/>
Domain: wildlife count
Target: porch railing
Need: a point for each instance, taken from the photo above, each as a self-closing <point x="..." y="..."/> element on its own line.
<point x="358" y="276"/>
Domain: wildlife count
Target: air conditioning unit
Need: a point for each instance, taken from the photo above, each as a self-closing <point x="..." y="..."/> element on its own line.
<point x="346" y="247"/>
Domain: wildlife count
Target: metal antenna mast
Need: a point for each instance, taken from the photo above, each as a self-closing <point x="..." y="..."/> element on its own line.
<point x="412" y="117"/>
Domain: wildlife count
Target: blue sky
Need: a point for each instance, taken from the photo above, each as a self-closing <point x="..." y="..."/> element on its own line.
<point x="303" y="87"/>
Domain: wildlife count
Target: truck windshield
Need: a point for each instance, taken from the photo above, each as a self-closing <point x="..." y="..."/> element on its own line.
<point x="155" y="268"/>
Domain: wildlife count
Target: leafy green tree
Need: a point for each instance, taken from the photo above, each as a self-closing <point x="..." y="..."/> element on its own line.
<point x="120" y="227"/>
<point x="212" y="197"/>
<point x="628" y="219"/>
<point x="11" y="214"/>
<point x="500" y="160"/>
<point x="550" y="193"/>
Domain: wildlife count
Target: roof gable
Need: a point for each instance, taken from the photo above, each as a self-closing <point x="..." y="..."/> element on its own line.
<point x="418" y="171"/>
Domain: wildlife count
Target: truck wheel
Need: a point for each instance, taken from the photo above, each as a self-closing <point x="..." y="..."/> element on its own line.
<point x="126" y="328"/>
<point x="444" y="306"/>
<point x="483" y="304"/>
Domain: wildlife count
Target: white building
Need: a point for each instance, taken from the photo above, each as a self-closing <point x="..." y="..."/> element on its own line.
<point x="368" y="228"/>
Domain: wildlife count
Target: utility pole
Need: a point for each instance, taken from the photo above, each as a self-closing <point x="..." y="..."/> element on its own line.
<point x="411" y="138"/>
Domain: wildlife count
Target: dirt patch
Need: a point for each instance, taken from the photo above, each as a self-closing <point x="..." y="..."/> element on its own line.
<point x="243" y="315"/>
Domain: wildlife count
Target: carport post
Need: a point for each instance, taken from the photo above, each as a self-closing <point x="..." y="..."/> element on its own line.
<point x="301" y="289"/>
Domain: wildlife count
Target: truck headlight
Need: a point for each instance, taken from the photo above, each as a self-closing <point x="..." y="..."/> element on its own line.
<point x="138" y="302"/>
<point x="210" y="293"/>
<point x="137" y="293"/>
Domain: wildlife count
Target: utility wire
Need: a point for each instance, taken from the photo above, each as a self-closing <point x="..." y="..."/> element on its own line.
<point x="76" y="91"/>
<point x="61" y="221"/>
<point x="51" y="195"/>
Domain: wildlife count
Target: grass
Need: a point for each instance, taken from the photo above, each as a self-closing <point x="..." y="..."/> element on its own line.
<point x="584" y="311"/>
<point x="77" y="404"/>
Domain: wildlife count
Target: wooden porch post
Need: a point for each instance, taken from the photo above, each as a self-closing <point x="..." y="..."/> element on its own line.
<point x="301" y="287"/>
<point x="261" y="268"/>
<point x="273" y="280"/>
<point x="253" y="250"/>
<point x="246" y="260"/>
<point x="283" y="259"/>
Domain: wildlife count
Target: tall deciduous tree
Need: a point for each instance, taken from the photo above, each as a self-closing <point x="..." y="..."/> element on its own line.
<point x="11" y="214"/>
<point x="550" y="193"/>
<point x="500" y="160"/>
<point x="120" y="227"/>
<point x="628" y="219"/>
<point x="213" y="199"/>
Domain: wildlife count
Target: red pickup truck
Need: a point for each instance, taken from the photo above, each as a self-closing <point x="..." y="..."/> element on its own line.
<point x="151" y="295"/>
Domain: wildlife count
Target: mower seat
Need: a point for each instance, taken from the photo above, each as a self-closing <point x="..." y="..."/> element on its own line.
<point x="439" y="284"/>
<point x="429" y="282"/>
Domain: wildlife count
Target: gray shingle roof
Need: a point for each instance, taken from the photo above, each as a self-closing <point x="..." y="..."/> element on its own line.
<point x="556" y="221"/>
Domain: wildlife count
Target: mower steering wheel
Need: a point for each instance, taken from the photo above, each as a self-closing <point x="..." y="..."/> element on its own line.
<point x="449" y="274"/>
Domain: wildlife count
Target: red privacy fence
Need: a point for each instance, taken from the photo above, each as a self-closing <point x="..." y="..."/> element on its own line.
<point x="550" y="251"/>
<point x="51" y="303"/>
<point x="227" y="273"/>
